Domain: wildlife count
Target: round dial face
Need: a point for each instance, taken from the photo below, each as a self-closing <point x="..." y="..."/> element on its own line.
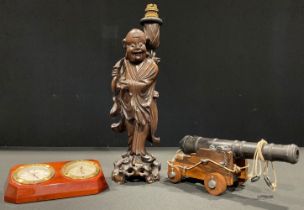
<point x="33" y="173"/>
<point x="80" y="169"/>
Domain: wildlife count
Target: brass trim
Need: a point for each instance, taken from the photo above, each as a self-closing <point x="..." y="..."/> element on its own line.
<point x="65" y="169"/>
<point x="23" y="181"/>
<point x="151" y="15"/>
<point x="151" y="10"/>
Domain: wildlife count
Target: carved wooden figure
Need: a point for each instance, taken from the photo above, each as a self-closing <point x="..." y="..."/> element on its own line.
<point x="133" y="86"/>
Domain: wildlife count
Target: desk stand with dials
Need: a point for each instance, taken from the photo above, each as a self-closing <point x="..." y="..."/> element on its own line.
<point x="46" y="181"/>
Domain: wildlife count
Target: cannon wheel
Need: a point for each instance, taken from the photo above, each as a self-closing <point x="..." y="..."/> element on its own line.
<point x="174" y="174"/>
<point x="215" y="183"/>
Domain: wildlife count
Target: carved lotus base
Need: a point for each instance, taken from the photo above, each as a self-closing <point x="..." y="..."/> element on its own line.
<point x="136" y="166"/>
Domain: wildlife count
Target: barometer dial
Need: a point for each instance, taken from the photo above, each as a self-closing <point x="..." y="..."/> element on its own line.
<point x="80" y="169"/>
<point x="33" y="173"/>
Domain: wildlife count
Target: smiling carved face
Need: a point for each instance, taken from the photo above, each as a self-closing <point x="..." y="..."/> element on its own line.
<point x="135" y="45"/>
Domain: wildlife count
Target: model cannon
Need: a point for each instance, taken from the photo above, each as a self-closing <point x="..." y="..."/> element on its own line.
<point x="221" y="163"/>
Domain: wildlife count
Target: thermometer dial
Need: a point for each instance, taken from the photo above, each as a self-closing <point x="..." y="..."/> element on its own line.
<point x="80" y="169"/>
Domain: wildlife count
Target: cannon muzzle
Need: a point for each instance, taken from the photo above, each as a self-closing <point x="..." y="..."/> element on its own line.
<point x="242" y="149"/>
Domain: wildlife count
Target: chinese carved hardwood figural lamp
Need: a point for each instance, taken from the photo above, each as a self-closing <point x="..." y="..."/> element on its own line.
<point x="134" y="95"/>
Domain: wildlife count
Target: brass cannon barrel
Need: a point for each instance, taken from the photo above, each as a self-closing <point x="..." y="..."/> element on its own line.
<point x="242" y="149"/>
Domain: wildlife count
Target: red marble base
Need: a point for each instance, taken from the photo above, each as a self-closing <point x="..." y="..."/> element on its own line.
<point x="57" y="187"/>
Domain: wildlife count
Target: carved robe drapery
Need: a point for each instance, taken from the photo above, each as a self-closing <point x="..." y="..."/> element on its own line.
<point x="135" y="101"/>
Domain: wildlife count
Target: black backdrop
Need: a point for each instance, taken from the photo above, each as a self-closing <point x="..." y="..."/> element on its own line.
<point x="230" y="69"/>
